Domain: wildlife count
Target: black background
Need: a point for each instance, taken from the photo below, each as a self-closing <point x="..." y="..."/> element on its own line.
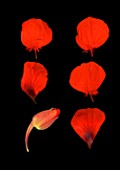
<point x="59" y="144"/>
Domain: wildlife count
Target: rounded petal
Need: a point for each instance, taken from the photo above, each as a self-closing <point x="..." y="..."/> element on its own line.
<point x="35" y="34"/>
<point x="87" y="78"/>
<point x="91" y="33"/>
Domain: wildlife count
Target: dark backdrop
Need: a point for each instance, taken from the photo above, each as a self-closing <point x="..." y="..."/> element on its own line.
<point x="59" y="144"/>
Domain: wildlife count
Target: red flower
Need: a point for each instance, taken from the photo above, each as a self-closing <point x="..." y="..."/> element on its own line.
<point x="92" y="33"/>
<point x="42" y="121"/>
<point x="35" y="34"/>
<point x="87" y="122"/>
<point x="34" y="79"/>
<point x="87" y="78"/>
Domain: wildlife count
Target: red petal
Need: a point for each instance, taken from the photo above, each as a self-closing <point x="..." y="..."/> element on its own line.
<point x="92" y="33"/>
<point x="34" y="78"/>
<point x="87" y="122"/>
<point x="35" y="34"/>
<point x="87" y="78"/>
